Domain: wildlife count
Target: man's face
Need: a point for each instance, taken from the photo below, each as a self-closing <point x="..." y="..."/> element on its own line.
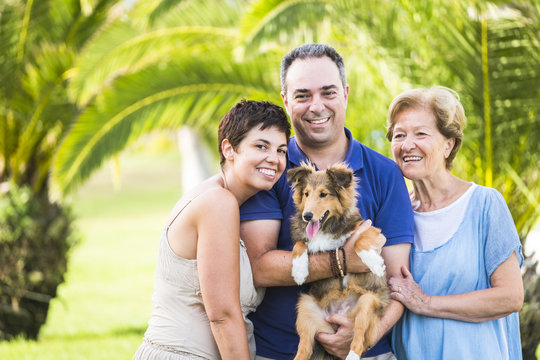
<point x="316" y="101"/>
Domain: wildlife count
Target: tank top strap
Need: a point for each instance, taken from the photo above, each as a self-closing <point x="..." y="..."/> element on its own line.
<point x="179" y="211"/>
<point x="182" y="209"/>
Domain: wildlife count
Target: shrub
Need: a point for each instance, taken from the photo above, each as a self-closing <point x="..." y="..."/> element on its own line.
<point x="35" y="238"/>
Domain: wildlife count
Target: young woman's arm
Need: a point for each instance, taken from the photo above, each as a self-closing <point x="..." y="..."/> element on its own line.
<point x="218" y="262"/>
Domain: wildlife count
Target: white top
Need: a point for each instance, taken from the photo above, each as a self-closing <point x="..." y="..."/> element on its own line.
<point x="434" y="228"/>
<point x="179" y="327"/>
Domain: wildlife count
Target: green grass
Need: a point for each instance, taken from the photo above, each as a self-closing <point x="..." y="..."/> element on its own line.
<point x="103" y="307"/>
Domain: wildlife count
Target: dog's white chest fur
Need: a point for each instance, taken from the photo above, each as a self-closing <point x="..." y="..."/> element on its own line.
<point x="325" y="242"/>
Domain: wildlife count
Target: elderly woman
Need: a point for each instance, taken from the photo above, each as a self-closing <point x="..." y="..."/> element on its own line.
<point x="465" y="287"/>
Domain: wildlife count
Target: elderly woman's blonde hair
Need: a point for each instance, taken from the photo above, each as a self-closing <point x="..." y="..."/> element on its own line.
<point x="443" y="102"/>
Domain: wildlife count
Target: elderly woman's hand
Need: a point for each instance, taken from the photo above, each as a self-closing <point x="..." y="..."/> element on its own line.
<point x="409" y="293"/>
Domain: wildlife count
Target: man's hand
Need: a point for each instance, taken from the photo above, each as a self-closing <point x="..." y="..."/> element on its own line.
<point x="339" y="343"/>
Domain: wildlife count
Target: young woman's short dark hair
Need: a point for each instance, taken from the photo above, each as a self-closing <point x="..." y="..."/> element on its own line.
<point x="249" y="114"/>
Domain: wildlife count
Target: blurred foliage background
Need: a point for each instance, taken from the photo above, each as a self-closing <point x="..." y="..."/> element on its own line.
<point x="81" y="80"/>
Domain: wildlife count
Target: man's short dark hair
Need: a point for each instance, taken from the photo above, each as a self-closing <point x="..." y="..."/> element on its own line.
<point x="311" y="51"/>
<point x="249" y="114"/>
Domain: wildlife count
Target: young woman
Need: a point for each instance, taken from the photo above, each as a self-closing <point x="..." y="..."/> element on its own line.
<point x="204" y="286"/>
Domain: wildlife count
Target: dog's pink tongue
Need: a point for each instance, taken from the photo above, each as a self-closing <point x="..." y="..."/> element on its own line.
<point x="312" y="228"/>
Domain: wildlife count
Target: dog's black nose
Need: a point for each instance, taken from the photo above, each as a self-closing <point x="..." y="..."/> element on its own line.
<point x="307" y="216"/>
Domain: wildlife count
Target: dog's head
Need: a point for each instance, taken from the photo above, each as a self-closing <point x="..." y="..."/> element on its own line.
<point x="321" y="196"/>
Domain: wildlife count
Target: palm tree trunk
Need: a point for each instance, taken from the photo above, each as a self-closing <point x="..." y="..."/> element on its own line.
<point x="488" y="180"/>
<point x="197" y="163"/>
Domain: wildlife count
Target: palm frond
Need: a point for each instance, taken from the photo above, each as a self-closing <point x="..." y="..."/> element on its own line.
<point x="172" y="13"/>
<point x="510" y="78"/>
<point x="43" y="84"/>
<point x="122" y="49"/>
<point x="204" y="13"/>
<point x="10" y="25"/>
<point x="274" y="21"/>
<point x="194" y="91"/>
<point x="163" y="8"/>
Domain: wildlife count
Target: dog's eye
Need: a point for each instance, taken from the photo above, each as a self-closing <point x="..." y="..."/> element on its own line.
<point x="323" y="194"/>
<point x="306" y="194"/>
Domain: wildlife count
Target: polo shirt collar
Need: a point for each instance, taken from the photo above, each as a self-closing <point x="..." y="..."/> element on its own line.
<point x="354" y="155"/>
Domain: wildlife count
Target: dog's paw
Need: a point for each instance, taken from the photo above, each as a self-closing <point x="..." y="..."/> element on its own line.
<point x="300" y="268"/>
<point x="352" y="356"/>
<point x="373" y="261"/>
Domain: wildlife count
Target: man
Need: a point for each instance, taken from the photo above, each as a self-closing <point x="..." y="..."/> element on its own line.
<point x="315" y="93"/>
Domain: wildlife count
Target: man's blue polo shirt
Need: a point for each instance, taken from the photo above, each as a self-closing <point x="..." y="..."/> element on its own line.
<point x="383" y="198"/>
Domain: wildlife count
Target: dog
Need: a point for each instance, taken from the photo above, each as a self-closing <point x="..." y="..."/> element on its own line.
<point x="326" y="215"/>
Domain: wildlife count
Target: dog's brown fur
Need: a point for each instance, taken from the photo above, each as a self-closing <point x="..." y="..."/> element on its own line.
<point x="362" y="297"/>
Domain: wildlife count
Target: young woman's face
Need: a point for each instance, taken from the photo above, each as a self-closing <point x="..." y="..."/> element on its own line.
<point x="260" y="157"/>
<point x="419" y="148"/>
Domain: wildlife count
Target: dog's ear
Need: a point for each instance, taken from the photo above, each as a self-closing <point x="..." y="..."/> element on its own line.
<point x="340" y="175"/>
<point x="296" y="175"/>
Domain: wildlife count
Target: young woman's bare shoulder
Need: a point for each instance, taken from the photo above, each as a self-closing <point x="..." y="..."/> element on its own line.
<point x="217" y="200"/>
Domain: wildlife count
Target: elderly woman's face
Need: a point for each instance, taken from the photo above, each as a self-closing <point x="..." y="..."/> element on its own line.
<point x="419" y="148"/>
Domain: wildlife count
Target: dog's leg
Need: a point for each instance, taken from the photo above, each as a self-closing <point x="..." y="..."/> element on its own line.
<point x="310" y="321"/>
<point x="300" y="263"/>
<point x="365" y="249"/>
<point x="366" y="324"/>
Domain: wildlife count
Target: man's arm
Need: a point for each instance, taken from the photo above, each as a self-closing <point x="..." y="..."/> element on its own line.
<point x="394" y="256"/>
<point x="272" y="267"/>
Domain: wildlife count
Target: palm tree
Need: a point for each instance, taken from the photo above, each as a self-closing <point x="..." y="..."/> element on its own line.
<point x="39" y="42"/>
<point x="494" y="62"/>
<point x="139" y="76"/>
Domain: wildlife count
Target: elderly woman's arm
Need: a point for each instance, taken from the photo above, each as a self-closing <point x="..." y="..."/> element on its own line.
<point x="503" y="298"/>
